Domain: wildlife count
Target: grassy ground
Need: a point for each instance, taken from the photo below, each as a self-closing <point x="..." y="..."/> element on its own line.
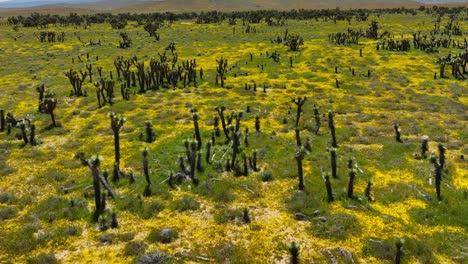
<point x="38" y="219"/>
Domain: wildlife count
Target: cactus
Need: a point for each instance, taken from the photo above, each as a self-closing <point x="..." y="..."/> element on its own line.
<point x="298" y="136"/>
<point x="199" y="161"/>
<point x="294" y="251"/>
<point x="331" y="125"/>
<point x="317" y="120"/>
<point x="246" y="164"/>
<point x="114" y="222"/>
<point x="399" y="251"/>
<point x="2" y="120"/>
<point x="257" y="124"/>
<point x="437" y="175"/>
<point x="299" y="102"/>
<point x="49" y="105"/>
<point x="367" y="191"/>
<point x="116" y="124"/>
<point x="328" y="186"/>
<point x="396" y="127"/>
<point x="352" y="178"/>
<point x="93" y="164"/>
<point x="246" y="137"/>
<point x="333" y="162"/>
<point x="41" y="90"/>
<point x="424" y="146"/>
<point x="197" y="129"/>
<point x="145" y="166"/>
<point x="77" y="82"/>
<point x="221" y="71"/>
<point x="220" y="111"/>
<point x="32" y="135"/>
<point x="149" y="131"/>
<point x="208" y="152"/>
<point x="235" y="146"/>
<point x="253" y="161"/>
<point x="24" y="135"/>
<point x="245" y="216"/>
<point x="442" y="151"/>
<point x="300" y="155"/>
<point x="191" y="154"/>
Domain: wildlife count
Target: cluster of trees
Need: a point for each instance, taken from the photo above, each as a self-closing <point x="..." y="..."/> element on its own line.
<point x="120" y="20"/>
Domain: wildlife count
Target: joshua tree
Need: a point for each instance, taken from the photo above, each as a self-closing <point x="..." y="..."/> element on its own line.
<point x="257" y="124"/>
<point x="294" y="251"/>
<point x="294" y="42"/>
<point x="147" y="191"/>
<point x="235" y="145"/>
<point x="208" y="152"/>
<point x="221" y="70"/>
<point x="2" y="120"/>
<point x="116" y="123"/>
<point x="40" y="90"/>
<point x="333" y="162"/>
<point x="49" y="104"/>
<point x="32" y="135"/>
<point x="24" y="135"/>
<point x="245" y="216"/>
<point x="396" y="127"/>
<point x="93" y="164"/>
<point x="197" y="129"/>
<point x="77" y="82"/>
<point x="399" y="251"/>
<point x="300" y="155"/>
<point x="149" y="131"/>
<point x="220" y="111"/>
<point x="424" y="146"/>
<point x="317" y="120"/>
<point x="368" y="190"/>
<point x="442" y="150"/>
<point x="331" y="125"/>
<point x="437" y="175"/>
<point x="298" y="136"/>
<point x="352" y="177"/>
<point x="299" y="102"/>
<point x="328" y="186"/>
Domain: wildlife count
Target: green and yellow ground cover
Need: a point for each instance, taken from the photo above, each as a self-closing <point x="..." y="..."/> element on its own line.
<point x="37" y="218"/>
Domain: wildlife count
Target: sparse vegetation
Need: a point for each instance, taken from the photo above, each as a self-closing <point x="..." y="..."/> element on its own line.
<point x="243" y="132"/>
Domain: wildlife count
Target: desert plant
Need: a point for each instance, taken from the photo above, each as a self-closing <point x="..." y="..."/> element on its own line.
<point x="352" y="178"/>
<point x="294" y="251"/>
<point x="300" y="155"/>
<point x="396" y="127"/>
<point x="328" y="187"/>
<point x="2" y="120"/>
<point x="196" y="128"/>
<point x="116" y="124"/>
<point x="437" y="175"/>
<point x="93" y="164"/>
<point x="333" y="162"/>
<point x="294" y="42"/>
<point x="220" y="110"/>
<point x="399" y="250"/>
<point x="317" y="119"/>
<point x="367" y="191"/>
<point x="299" y="102"/>
<point x="40" y="90"/>
<point x="442" y="151"/>
<point x="331" y="125"/>
<point x="424" y="146"/>
<point x="257" y="124"/>
<point x="49" y="105"/>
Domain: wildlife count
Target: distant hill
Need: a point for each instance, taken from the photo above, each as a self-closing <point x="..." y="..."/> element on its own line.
<point x="199" y="5"/>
